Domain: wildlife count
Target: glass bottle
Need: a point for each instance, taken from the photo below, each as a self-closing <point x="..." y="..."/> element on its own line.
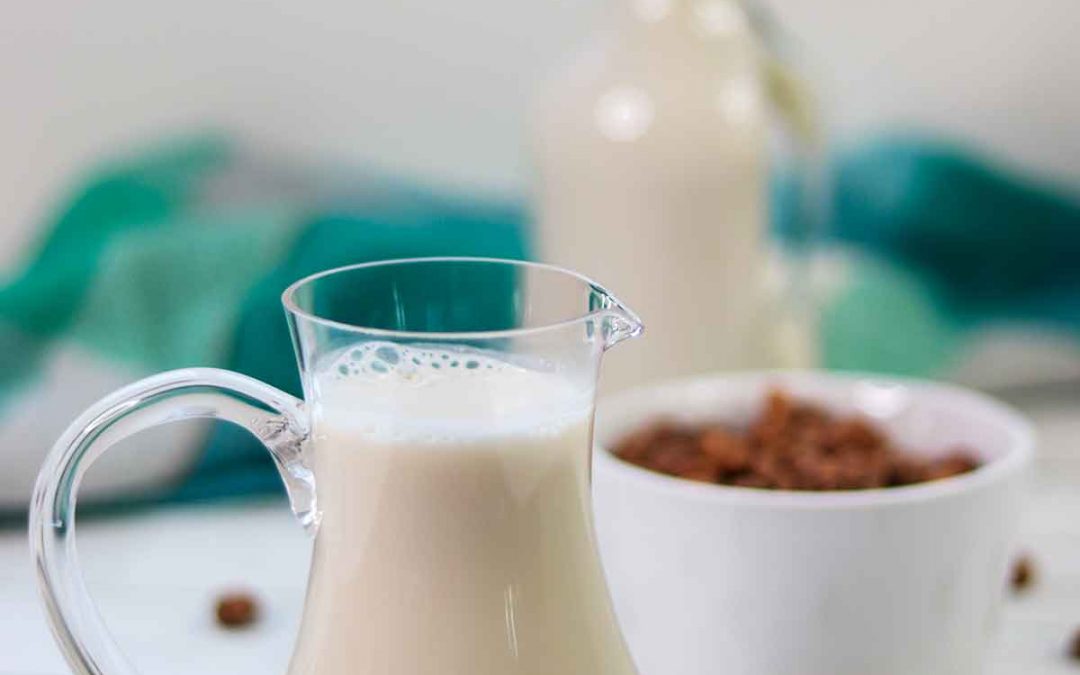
<point x="669" y="152"/>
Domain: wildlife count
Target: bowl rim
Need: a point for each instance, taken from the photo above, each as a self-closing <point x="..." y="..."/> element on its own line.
<point x="1017" y="458"/>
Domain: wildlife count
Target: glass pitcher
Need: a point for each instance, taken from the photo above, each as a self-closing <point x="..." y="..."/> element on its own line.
<point x="440" y="457"/>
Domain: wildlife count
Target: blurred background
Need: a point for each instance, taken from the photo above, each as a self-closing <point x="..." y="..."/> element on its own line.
<point x="889" y="187"/>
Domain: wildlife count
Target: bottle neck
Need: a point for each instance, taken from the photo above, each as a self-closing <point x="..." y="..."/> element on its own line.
<point x="711" y="16"/>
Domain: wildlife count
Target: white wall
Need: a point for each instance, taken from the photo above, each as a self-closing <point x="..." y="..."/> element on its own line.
<point x="1003" y="73"/>
<point x="435" y="87"/>
<point x="442" y="88"/>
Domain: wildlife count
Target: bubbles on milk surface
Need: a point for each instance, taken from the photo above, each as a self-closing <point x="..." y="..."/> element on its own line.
<point x="380" y="361"/>
<point x="438" y="393"/>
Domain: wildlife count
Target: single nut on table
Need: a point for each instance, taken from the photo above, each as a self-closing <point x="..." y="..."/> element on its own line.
<point x="1023" y="574"/>
<point x="236" y="610"/>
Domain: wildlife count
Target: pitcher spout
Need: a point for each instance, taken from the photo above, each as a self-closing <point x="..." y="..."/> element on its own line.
<point x="617" y="321"/>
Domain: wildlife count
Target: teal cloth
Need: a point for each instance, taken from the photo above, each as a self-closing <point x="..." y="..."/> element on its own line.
<point x="949" y="243"/>
<point x="160" y="261"/>
<point x="233" y="462"/>
<point x="177" y="257"/>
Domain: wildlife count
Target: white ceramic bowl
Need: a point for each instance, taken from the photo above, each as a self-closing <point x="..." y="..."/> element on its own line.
<point x="711" y="579"/>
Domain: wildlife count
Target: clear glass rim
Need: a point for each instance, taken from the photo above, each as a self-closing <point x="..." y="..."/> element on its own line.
<point x="617" y="309"/>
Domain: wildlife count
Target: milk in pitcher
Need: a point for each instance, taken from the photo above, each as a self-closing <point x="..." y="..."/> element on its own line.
<point x="454" y="536"/>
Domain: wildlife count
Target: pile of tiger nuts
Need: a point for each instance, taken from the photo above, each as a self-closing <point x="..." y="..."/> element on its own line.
<point x="791" y="445"/>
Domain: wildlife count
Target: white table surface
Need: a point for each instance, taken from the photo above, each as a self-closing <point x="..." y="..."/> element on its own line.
<point x="155" y="576"/>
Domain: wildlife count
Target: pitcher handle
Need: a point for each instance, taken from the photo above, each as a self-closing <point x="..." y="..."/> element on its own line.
<point x="277" y="419"/>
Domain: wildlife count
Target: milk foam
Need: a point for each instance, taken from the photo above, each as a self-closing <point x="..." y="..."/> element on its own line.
<point x="419" y="393"/>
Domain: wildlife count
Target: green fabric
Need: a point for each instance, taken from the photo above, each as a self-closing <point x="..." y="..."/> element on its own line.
<point x="142" y="270"/>
<point x="886" y="321"/>
<point x="139" y="195"/>
<point x="993" y="243"/>
<point x="171" y="297"/>
<point x="949" y="243"/>
<point x="20" y="354"/>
